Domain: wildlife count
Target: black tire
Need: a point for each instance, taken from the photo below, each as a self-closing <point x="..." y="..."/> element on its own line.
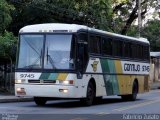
<point x="88" y="101"/>
<point x="124" y="97"/>
<point x="133" y="96"/>
<point x="98" y="99"/>
<point x="40" y="101"/>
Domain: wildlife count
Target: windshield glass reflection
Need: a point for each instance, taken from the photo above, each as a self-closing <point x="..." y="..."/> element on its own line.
<point x="58" y="52"/>
<point x="30" y="53"/>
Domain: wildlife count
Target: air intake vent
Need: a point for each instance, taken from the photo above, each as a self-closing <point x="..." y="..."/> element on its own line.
<point x="41" y="81"/>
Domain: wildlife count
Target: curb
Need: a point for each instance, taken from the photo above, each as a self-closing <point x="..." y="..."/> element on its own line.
<point x="16" y="100"/>
<point x="154" y="88"/>
<point x="155" y="85"/>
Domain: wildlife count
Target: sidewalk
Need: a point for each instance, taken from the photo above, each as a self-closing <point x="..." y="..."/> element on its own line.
<point x="5" y="98"/>
<point x="12" y="98"/>
<point x="155" y="85"/>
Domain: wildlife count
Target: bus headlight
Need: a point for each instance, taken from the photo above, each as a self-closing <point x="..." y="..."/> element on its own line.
<point x="65" y="82"/>
<point x="19" y="81"/>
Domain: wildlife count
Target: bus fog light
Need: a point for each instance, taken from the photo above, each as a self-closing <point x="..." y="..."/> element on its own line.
<point x="63" y="90"/>
<point x="20" y="91"/>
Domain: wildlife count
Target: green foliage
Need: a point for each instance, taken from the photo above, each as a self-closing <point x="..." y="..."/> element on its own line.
<point x="152" y="32"/>
<point x="133" y="31"/>
<point x="125" y="13"/>
<point x="94" y="13"/>
<point x="111" y="15"/>
<point x="8" y="46"/>
<point x="5" y="18"/>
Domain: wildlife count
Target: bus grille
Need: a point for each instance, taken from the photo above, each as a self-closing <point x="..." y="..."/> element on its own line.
<point x="41" y="81"/>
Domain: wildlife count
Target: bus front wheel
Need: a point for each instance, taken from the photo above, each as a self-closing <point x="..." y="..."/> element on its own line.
<point x="90" y="95"/>
<point x="40" y="101"/>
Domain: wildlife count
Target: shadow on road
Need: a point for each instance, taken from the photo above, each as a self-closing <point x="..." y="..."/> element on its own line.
<point x="77" y="103"/>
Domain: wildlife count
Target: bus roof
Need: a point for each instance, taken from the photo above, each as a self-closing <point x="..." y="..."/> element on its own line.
<point x="122" y="36"/>
<point x="50" y="27"/>
<point x="60" y="27"/>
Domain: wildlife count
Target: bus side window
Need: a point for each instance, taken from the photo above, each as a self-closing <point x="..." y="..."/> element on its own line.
<point x="83" y="50"/>
<point x="83" y="37"/>
<point x="140" y="52"/>
<point x="127" y="49"/>
<point x="94" y="44"/>
<point x="118" y="48"/>
<point x="133" y="50"/>
<point x="106" y="46"/>
<point x="146" y="52"/>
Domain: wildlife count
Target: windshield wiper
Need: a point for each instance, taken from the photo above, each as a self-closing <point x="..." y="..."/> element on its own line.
<point x="34" y="63"/>
<point x="31" y="66"/>
<point x="49" y="58"/>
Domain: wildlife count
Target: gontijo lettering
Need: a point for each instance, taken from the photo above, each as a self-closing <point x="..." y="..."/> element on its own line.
<point x="135" y="67"/>
<point x="131" y="67"/>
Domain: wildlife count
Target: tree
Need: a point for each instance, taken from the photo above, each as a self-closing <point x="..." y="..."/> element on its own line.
<point x="92" y="13"/>
<point x="5" y="17"/>
<point x="8" y="46"/>
<point x="126" y="12"/>
<point x="152" y="33"/>
<point x="111" y="15"/>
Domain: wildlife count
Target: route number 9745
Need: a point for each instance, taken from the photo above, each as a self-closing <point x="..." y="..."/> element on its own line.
<point x="27" y="76"/>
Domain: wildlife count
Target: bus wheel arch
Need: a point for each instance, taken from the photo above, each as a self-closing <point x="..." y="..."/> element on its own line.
<point x="136" y="82"/>
<point x="133" y="95"/>
<point x="92" y="80"/>
<point x="135" y="90"/>
<point x="90" y="93"/>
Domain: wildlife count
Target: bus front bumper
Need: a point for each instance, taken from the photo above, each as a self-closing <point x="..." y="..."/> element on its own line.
<point x="58" y="91"/>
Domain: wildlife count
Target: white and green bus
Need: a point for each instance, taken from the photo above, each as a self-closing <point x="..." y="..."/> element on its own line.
<point x="76" y="61"/>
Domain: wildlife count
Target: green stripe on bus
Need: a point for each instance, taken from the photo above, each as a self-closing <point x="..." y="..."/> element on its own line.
<point x="105" y="67"/>
<point x="115" y="85"/>
<point x="108" y="84"/>
<point x="107" y="80"/>
<point x="111" y="66"/>
<point x="44" y="76"/>
<point x="111" y="81"/>
<point x="53" y="76"/>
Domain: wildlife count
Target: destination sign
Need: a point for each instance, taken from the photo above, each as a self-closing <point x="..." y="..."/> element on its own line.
<point x="135" y="67"/>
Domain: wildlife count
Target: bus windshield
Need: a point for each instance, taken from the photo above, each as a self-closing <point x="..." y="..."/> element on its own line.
<point x="55" y="54"/>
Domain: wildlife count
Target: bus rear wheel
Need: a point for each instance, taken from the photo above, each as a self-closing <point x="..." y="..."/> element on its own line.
<point x="40" y="101"/>
<point x="133" y="96"/>
<point x="88" y="101"/>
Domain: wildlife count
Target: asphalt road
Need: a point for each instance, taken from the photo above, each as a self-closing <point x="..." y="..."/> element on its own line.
<point x="146" y="104"/>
